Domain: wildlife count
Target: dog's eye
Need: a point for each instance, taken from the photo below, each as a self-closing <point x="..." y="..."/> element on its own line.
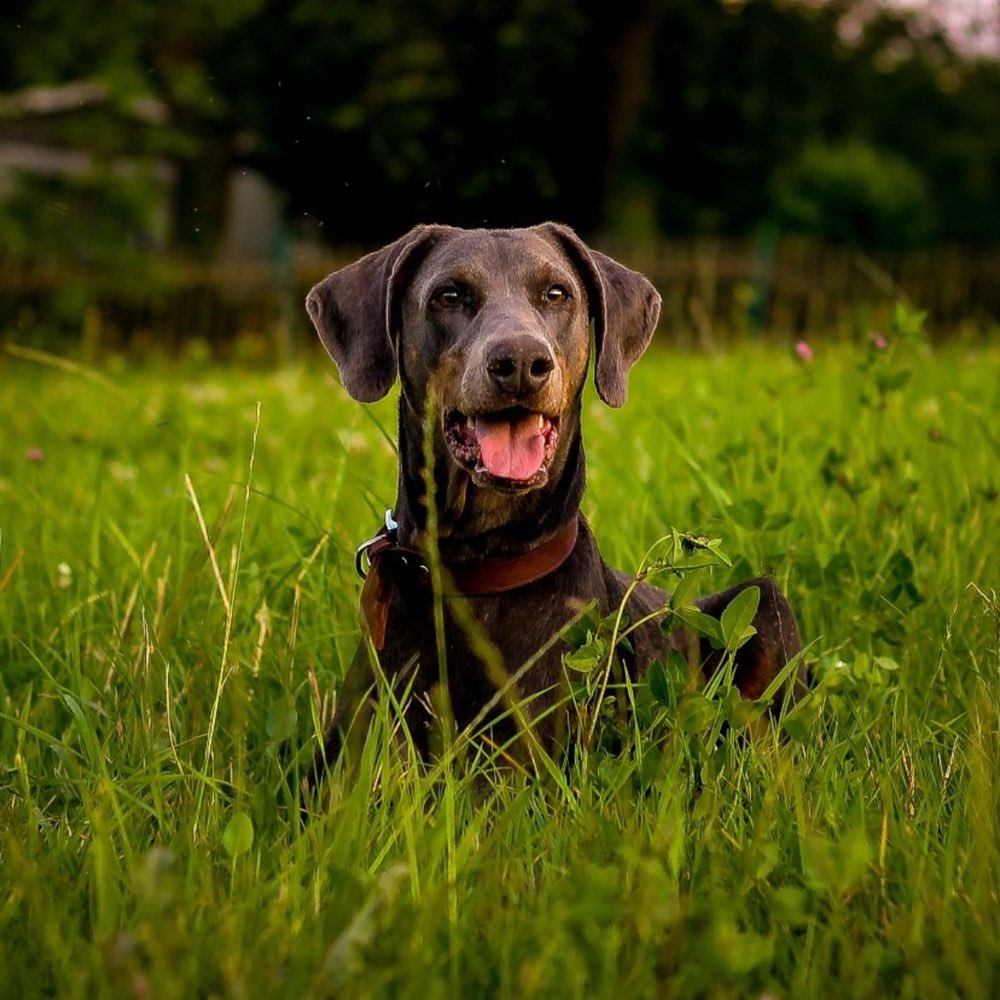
<point x="556" y="293"/>
<point x="448" y="296"/>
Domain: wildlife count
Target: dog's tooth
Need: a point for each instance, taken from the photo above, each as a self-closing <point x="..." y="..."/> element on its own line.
<point x="541" y="422"/>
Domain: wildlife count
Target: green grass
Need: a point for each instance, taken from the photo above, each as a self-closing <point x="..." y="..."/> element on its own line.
<point x="157" y="708"/>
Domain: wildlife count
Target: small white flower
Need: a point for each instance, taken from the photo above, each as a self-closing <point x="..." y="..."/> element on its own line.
<point x="122" y="473"/>
<point x="354" y="443"/>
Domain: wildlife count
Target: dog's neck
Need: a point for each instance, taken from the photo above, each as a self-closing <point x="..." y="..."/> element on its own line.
<point x="476" y="524"/>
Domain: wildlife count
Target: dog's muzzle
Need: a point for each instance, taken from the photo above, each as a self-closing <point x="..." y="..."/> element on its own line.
<point x="509" y="450"/>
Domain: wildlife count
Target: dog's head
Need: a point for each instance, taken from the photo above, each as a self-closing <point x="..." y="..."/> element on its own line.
<point x="491" y="328"/>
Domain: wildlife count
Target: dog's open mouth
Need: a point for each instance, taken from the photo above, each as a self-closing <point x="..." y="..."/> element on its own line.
<point x="510" y="449"/>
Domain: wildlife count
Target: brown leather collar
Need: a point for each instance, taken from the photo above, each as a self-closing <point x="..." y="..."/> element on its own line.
<point x="386" y="558"/>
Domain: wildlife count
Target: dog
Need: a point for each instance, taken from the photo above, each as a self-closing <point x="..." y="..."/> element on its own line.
<point x="488" y="333"/>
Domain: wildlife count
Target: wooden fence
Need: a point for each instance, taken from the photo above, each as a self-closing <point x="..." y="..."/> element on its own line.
<point x="713" y="291"/>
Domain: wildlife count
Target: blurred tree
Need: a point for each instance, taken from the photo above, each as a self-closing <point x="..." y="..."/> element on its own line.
<point x="853" y="193"/>
<point x="141" y="49"/>
<point x="646" y="116"/>
<point x="740" y="90"/>
<point x="378" y="116"/>
<point x="736" y="90"/>
<point x="926" y="101"/>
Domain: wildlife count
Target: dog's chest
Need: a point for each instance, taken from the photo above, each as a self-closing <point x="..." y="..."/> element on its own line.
<point x="509" y="628"/>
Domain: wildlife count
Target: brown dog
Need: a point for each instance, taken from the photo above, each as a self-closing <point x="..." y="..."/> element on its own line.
<point x="488" y="332"/>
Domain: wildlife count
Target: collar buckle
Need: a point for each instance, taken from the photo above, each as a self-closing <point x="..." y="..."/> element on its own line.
<point x="362" y="554"/>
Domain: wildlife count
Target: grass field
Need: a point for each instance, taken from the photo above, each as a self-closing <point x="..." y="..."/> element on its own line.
<point x="177" y="604"/>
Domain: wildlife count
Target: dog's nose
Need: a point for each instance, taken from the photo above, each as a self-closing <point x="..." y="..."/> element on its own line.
<point x="520" y="366"/>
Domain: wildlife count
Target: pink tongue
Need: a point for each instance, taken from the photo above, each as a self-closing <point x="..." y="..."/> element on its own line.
<point x="511" y="449"/>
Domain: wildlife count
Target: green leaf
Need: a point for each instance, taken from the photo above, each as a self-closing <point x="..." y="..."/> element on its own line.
<point x="740" y="711"/>
<point x="900" y="566"/>
<point x="799" y="723"/>
<point x="809" y="571"/>
<point x="749" y="513"/>
<point x="696" y="713"/>
<point x="761" y="859"/>
<point x="736" y="618"/>
<point x="839" y="569"/>
<point x="281" y="720"/>
<point x="886" y="662"/>
<point x="890" y="381"/>
<point x="659" y="687"/>
<point x="835" y="866"/>
<point x="733" y="952"/>
<point x="587" y="657"/>
<point x="908" y="322"/>
<point x="582" y="630"/>
<point x="684" y="590"/>
<point x="263" y="808"/>
<point x="678" y="670"/>
<point x="701" y="623"/>
<point x="791" y="905"/>
<point x="649" y="765"/>
<point x="237" y="838"/>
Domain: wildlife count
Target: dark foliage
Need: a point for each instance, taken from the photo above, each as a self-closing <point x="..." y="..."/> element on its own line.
<point x="643" y="117"/>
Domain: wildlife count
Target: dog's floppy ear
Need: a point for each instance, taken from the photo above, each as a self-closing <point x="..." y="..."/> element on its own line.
<point x="355" y="312"/>
<point x="624" y="306"/>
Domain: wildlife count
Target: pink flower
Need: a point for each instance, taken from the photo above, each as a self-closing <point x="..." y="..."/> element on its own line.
<point x="803" y="351"/>
<point x="878" y="341"/>
<point x="34" y="455"/>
